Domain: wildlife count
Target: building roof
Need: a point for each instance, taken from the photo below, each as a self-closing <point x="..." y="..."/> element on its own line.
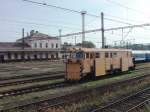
<point x="39" y="36"/>
<point x="12" y="45"/>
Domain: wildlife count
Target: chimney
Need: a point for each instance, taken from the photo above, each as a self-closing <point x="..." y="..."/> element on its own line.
<point x="36" y="32"/>
<point x="27" y="34"/>
<point x="32" y="32"/>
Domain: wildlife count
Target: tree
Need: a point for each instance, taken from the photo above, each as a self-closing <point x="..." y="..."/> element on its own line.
<point x="86" y="44"/>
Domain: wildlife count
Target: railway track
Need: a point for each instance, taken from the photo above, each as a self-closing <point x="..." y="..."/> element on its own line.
<point x="34" y="88"/>
<point x="30" y="75"/>
<point x="75" y="96"/>
<point x="39" y="77"/>
<point x="31" y="79"/>
<point x="129" y="103"/>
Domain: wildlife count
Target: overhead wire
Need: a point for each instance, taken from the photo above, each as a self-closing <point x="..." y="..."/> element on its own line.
<point x="61" y="8"/>
<point x="79" y="12"/>
<point x="40" y="24"/>
<point x="124" y="6"/>
<point x="73" y="11"/>
<point x="131" y="20"/>
<point x="109" y="29"/>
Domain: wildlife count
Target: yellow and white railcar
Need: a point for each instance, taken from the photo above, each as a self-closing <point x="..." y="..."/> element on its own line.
<point x="97" y="62"/>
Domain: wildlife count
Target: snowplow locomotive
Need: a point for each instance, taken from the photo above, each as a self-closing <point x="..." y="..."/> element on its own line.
<point x="93" y="62"/>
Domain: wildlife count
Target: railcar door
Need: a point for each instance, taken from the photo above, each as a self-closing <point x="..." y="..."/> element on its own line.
<point x="100" y="67"/>
<point x="124" y="64"/>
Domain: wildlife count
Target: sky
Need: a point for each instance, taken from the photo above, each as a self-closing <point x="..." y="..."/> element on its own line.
<point x="18" y="14"/>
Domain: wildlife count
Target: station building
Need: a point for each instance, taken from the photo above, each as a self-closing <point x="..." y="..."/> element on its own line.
<point x="35" y="46"/>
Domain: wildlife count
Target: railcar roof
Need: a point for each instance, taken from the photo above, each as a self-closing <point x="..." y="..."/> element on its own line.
<point x="98" y="49"/>
<point x="139" y="51"/>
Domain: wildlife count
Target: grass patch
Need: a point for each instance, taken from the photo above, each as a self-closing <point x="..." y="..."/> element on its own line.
<point x="95" y="100"/>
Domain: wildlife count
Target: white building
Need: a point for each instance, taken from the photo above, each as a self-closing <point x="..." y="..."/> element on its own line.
<point x="41" y="41"/>
<point x="36" y="46"/>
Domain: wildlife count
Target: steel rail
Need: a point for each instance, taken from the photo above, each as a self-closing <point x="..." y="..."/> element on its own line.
<point x="119" y="105"/>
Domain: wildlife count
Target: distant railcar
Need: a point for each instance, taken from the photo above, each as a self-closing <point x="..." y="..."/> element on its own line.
<point x="140" y="56"/>
<point x="147" y="56"/>
<point x="97" y="62"/>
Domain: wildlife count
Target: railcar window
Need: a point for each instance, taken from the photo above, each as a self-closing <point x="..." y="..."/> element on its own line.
<point x="87" y="55"/>
<point x="77" y="55"/>
<point x="114" y="54"/>
<point x="97" y="55"/>
<point x="91" y="55"/>
<point x="106" y="55"/>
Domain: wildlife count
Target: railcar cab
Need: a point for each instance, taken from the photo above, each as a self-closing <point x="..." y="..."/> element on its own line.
<point x="80" y="63"/>
<point x="73" y="64"/>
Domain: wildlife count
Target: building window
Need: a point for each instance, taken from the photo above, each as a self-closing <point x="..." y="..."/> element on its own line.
<point x="41" y="55"/>
<point x="35" y="45"/>
<point x="57" y="55"/>
<point x="1" y="58"/>
<point x="52" y="46"/>
<point x="28" y="57"/>
<point x="52" y="56"/>
<point x="40" y="45"/>
<point x="46" y="45"/>
<point x="56" y="45"/>
<point x="46" y="55"/>
<point x="9" y="55"/>
<point x="35" y="56"/>
<point x="16" y="56"/>
<point x="22" y="56"/>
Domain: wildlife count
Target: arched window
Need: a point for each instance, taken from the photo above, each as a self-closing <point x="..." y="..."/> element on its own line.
<point x="35" y="56"/>
<point x="9" y="55"/>
<point x="57" y="55"/>
<point x="57" y="45"/>
<point x="52" y="45"/>
<point x="40" y="45"/>
<point x="46" y="45"/>
<point x="46" y="55"/>
<point x="16" y="56"/>
<point x="35" y="45"/>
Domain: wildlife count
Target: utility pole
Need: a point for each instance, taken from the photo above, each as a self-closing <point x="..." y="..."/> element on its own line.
<point x="23" y="38"/>
<point x="122" y="41"/>
<point x="102" y="30"/>
<point x="60" y="36"/>
<point x="23" y="43"/>
<point x="83" y="26"/>
<point x="75" y="40"/>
